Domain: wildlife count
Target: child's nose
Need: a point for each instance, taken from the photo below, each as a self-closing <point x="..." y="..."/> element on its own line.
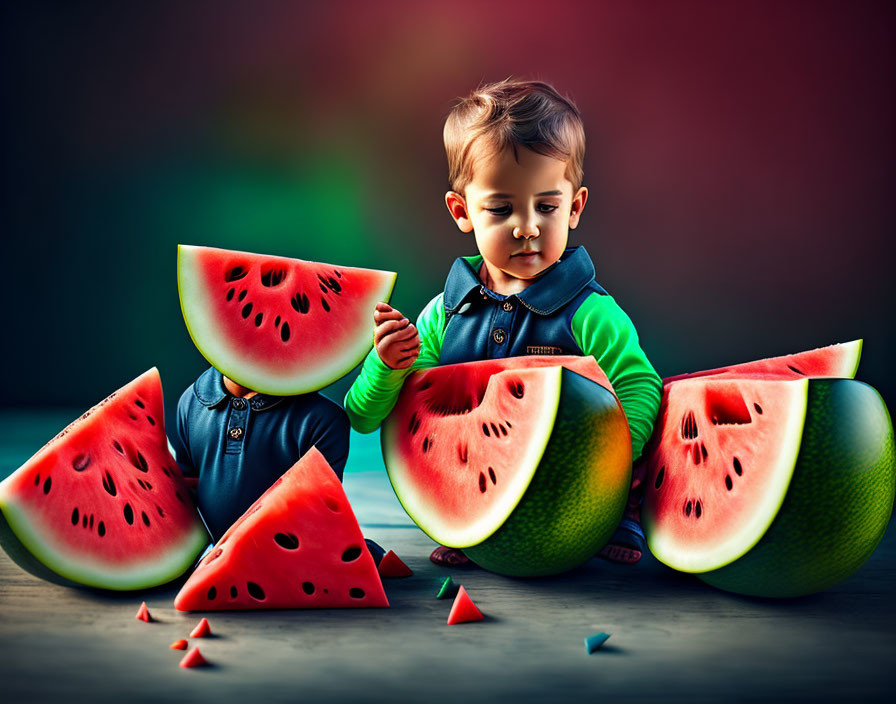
<point x="526" y="231"/>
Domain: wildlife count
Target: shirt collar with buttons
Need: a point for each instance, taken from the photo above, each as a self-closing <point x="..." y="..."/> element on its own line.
<point x="209" y="389"/>
<point x="560" y="284"/>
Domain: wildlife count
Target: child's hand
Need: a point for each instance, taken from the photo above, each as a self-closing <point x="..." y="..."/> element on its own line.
<point x="396" y="339"/>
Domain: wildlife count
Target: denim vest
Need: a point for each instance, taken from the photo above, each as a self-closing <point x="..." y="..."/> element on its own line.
<point x="482" y="324"/>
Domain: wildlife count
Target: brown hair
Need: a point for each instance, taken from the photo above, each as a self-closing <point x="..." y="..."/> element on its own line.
<point x="512" y="113"/>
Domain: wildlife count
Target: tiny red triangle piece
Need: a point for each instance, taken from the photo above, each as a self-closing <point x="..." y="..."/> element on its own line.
<point x="202" y="629"/>
<point x="392" y="566"/>
<point x="193" y="659"/>
<point x="143" y="613"/>
<point x="178" y="645"/>
<point x="463" y="609"/>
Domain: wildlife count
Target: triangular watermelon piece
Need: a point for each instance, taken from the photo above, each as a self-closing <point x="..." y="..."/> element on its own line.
<point x="392" y="566"/>
<point x="463" y="609"/>
<point x="277" y="325"/>
<point x="178" y="645"/>
<point x="202" y="629"/>
<point x="840" y="360"/>
<point x="298" y="546"/>
<point x="143" y="613"/>
<point x="193" y="659"/>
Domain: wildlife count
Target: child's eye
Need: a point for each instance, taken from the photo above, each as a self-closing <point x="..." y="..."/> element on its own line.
<point x="546" y="207"/>
<point x="501" y="211"/>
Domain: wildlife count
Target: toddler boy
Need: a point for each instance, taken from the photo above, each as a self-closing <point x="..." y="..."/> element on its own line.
<point x="515" y="152"/>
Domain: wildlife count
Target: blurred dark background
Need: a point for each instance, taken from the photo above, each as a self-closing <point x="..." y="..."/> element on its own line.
<point x="740" y="161"/>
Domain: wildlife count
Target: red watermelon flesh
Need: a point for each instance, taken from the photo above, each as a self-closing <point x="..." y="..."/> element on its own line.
<point x="103" y="503"/>
<point x="840" y="360"/>
<point x="278" y="325"/>
<point x="298" y="546"/>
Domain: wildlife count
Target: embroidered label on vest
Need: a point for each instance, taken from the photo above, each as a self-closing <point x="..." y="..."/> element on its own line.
<point x="543" y="349"/>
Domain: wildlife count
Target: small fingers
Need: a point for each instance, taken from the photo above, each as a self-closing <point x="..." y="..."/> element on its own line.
<point x="390" y="327"/>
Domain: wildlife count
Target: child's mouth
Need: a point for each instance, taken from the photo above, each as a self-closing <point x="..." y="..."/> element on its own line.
<point x="528" y="254"/>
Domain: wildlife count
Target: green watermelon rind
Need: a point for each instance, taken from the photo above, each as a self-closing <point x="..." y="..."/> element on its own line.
<point x="206" y="337"/>
<point x="22" y="538"/>
<point x="821" y="537"/>
<point x="475" y="532"/>
<point x="679" y="555"/>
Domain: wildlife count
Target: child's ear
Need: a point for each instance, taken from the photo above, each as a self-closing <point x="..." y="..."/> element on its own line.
<point x="457" y="206"/>
<point x="578" y="205"/>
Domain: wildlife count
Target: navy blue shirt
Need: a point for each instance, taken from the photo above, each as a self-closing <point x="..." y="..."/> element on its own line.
<point x="238" y="447"/>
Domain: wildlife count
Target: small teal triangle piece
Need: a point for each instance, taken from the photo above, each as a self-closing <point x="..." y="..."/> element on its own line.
<point x="448" y="589"/>
<point x="593" y="643"/>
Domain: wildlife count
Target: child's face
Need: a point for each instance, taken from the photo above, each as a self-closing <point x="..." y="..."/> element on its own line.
<point x="520" y="212"/>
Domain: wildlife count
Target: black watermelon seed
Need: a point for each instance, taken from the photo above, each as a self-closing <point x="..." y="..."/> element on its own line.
<point x="247" y="310"/>
<point x="152" y="421"/>
<point x="353" y="553"/>
<point x="729" y="485"/>
<point x="79" y="464"/>
<point x="179" y="497"/>
<point x="273" y="277"/>
<point x="75" y="516"/>
<point x="139" y="403"/>
<point x="277" y="322"/>
<point x="517" y="390"/>
<point x="284" y="332"/>
<point x="308" y="588"/>
<point x="212" y="593"/>
<point x="485" y="430"/>
<point x="235" y="274"/>
<point x="687" y="508"/>
<point x="242" y="295"/>
<point x="494" y="429"/>
<point x="334" y="285"/>
<point x="300" y="303"/>
<point x="230" y="294"/>
<point x="129" y="514"/>
<point x="698" y="509"/>
<point x="145" y="518"/>
<point x="426" y="445"/>
<point x="356" y="593"/>
<point x="324" y="289"/>
<point x="258" y="319"/>
<point x="793" y="368"/>
<point x="101" y="529"/>
<point x="165" y="470"/>
<point x="462" y="453"/>
<point x="109" y="485"/>
<point x="326" y="306"/>
<point x="758" y="408"/>
<point x="738" y="469"/>
<point x="255" y="591"/>
<point x="84" y="521"/>
<point x="140" y="463"/>
<point x="287" y="541"/>
<point x="659" y="478"/>
<point x="161" y="512"/>
<point x="48" y="482"/>
<point x="118" y="448"/>
<point x="491" y="475"/>
<point x="703" y="451"/>
<point x="338" y="273"/>
<point x="411" y="426"/>
<point x="482" y="482"/>
<point x="37" y="480"/>
<point x="233" y="592"/>
<point x="90" y="524"/>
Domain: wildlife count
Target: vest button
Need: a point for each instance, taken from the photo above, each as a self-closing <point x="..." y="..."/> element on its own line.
<point x="499" y="336"/>
<point x="236" y="433"/>
<point x="239" y="404"/>
<point x="508" y="306"/>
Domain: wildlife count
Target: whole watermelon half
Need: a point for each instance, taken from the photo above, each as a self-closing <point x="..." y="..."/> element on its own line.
<point x="771" y="488"/>
<point x="104" y="504"/>
<point x="524" y="462"/>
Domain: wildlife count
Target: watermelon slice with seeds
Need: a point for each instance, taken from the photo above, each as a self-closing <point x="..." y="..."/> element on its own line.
<point x="104" y="504"/>
<point x="277" y="325"/>
<point x="772" y="488"/>
<point x="298" y="546"/>
<point x="840" y="360"/>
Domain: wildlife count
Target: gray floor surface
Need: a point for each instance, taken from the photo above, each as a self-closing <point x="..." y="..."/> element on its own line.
<point x="672" y="637"/>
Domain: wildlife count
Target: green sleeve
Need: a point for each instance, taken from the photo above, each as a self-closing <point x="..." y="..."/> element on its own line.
<point x="601" y="328"/>
<point x="375" y="390"/>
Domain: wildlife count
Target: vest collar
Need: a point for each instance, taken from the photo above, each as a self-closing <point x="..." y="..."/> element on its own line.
<point x="209" y="390"/>
<point x="561" y="283"/>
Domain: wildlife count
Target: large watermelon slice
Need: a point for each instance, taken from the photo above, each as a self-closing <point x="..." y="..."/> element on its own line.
<point x="276" y="325"/>
<point x="523" y="462"/>
<point x="298" y="546"/>
<point x="769" y="487"/>
<point x="840" y="360"/>
<point x="103" y="503"/>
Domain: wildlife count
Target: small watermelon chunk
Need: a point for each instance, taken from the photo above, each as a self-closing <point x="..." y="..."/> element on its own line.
<point x="178" y="645"/>
<point x="772" y="488"/>
<point x="277" y="325"/>
<point x="840" y="360"/>
<point x="202" y="630"/>
<point x="392" y="566"/>
<point x="298" y="546"/>
<point x="193" y="659"/>
<point x="104" y="504"/>
<point x="524" y="462"/>
<point x="143" y="613"/>
<point x="463" y="610"/>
